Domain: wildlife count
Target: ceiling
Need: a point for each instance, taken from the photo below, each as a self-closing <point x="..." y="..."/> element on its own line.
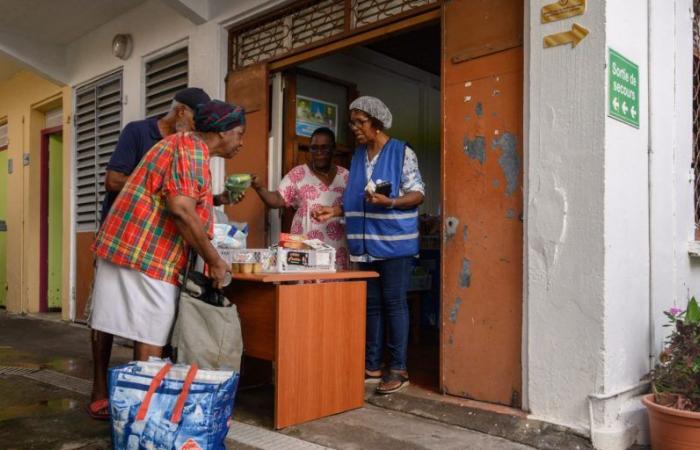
<point x="58" y="22"/>
<point x="419" y="48"/>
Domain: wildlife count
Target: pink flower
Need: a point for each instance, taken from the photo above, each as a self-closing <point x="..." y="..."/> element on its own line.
<point x="341" y="258"/>
<point x="297" y="174"/>
<point x="339" y="190"/>
<point x="309" y="192"/>
<point x="296" y="228"/>
<point x="288" y="194"/>
<point x="315" y="234"/>
<point x="675" y="311"/>
<point x="335" y="230"/>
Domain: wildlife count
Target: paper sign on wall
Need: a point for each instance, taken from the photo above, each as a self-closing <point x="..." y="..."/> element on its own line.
<point x="313" y="113"/>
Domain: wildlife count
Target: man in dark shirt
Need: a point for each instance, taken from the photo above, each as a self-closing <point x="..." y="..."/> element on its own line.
<point x="139" y="136"/>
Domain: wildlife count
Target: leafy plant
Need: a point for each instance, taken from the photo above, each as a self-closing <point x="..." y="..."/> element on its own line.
<point x="676" y="379"/>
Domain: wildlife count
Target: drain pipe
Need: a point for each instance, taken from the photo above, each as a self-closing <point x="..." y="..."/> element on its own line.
<point x="650" y="159"/>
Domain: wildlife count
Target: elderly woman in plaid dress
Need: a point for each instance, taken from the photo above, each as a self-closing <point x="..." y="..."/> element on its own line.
<point x="164" y="208"/>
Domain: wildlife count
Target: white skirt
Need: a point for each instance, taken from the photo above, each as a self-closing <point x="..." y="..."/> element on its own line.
<point x="128" y="303"/>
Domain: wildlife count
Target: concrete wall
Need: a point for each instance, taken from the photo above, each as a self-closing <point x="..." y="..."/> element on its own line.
<point x="676" y="275"/>
<point x="564" y="247"/>
<point x="24" y="99"/>
<point x="606" y="250"/>
<point x="626" y="213"/>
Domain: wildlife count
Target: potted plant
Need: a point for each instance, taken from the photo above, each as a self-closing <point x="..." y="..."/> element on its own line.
<point x="674" y="404"/>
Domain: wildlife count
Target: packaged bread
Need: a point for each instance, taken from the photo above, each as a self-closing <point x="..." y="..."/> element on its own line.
<point x="295" y="241"/>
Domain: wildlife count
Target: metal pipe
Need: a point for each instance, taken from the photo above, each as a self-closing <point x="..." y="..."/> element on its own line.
<point x="650" y="154"/>
<point x="609" y="395"/>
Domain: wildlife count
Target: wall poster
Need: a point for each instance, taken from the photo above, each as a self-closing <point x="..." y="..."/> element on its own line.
<point x="313" y="113"/>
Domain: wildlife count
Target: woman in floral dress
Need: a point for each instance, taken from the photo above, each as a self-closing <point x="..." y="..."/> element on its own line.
<point x="308" y="187"/>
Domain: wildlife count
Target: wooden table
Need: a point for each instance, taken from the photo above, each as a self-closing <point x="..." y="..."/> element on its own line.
<point x="314" y="333"/>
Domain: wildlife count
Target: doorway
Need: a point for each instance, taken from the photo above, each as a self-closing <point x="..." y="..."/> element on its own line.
<point x="51" y="268"/>
<point x="3" y="215"/>
<point x="474" y="225"/>
<point x="403" y="70"/>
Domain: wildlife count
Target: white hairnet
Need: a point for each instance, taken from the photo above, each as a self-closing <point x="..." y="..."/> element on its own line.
<point x="373" y="107"/>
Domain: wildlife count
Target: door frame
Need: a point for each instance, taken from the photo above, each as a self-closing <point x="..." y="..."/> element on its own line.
<point x="46" y="133"/>
<point x="431" y="14"/>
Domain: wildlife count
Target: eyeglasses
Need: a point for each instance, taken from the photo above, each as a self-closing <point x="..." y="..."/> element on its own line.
<point x="358" y="123"/>
<point x="324" y="148"/>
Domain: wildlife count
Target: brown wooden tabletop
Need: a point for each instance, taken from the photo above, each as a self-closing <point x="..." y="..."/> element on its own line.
<point x="304" y="276"/>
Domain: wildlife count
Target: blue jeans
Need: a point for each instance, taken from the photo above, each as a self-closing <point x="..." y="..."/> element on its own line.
<point x="386" y="306"/>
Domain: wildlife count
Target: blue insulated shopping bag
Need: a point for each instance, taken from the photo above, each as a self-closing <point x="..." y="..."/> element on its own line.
<point x="159" y="406"/>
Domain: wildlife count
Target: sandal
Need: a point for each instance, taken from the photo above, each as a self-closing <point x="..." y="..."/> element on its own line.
<point x="99" y="409"/>
<point x="392" y="382"/>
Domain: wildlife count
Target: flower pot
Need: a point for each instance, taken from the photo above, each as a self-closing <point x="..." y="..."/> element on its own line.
<point x="672" y="429"/>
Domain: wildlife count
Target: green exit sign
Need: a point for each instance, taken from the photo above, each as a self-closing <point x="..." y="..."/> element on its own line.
<point x="623" y="89"/>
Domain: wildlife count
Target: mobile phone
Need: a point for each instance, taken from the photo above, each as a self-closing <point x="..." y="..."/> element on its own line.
<point x="383" y="188"/>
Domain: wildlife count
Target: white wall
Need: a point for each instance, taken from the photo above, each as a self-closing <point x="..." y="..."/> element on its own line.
<point x="676" y="276"/>
<point x="596" y="269"/>
<point x="156" y="28"/>
<point x="564" y="247"/>
<point x="626" y="213"/>
<point x="412" y="95"/>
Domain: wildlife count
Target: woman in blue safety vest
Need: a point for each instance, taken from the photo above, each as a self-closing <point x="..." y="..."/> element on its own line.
<point x="380" y="206"/>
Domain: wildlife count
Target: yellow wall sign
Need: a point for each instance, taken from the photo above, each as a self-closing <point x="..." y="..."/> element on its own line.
<point x="573" y="37"/>
<point x="562" y="9"/>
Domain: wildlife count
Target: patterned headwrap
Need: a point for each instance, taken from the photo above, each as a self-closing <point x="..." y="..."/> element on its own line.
<point x="217" y="116"/>
<point x="373" y="107"/>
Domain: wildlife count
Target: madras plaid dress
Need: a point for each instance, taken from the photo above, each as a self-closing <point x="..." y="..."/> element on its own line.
<point x="138" y="232"/>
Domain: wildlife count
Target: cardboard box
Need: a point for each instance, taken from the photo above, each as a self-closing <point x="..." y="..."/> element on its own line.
<point x="320" y="258"/>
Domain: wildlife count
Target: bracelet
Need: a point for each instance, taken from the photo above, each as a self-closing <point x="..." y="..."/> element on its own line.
<point x="393" y="202"/>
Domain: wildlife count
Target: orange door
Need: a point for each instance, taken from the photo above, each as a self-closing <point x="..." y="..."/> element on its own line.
<point x="249" y="88"/>
<point x="483" y="200"/>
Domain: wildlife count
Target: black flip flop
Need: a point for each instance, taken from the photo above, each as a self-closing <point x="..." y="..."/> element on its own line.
<point x="392" y="376"/>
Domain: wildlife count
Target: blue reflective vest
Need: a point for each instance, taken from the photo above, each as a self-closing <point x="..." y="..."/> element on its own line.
<point x="375" y="230"/>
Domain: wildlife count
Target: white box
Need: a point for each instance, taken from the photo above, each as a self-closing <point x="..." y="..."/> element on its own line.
<point x="320" y="259"/>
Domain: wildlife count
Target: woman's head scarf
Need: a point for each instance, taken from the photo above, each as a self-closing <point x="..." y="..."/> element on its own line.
<point x="217" y="116"/>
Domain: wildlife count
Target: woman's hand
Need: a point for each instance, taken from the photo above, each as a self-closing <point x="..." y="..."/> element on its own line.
<point x="325" y="213"/>
<point x="225" y="199"/>
<point x="378" y="200"/>
<point x="255" y="182"/>
<point x="220" y="273"/>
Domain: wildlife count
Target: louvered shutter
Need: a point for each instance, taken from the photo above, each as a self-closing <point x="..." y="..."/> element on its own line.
<point x="3" y="136"/>
<point x="164" y="77"/>
<point x="98" y="120"/>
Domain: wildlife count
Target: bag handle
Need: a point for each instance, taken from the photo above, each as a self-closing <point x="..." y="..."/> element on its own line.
<point x="143" y="409"/>
<point x="177" y="411"/>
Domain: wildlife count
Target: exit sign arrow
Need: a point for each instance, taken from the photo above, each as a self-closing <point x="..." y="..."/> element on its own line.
<point x="573" y="37"/>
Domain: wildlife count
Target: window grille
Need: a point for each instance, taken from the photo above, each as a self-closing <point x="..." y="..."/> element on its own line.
<point x="3" y="136"/>
<point x="98" y="120"/>
<point x="366" y="12"/>
<point x="696" y="109"/>
<point x="164" y="77"/>
<point x="311" y="22"/>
